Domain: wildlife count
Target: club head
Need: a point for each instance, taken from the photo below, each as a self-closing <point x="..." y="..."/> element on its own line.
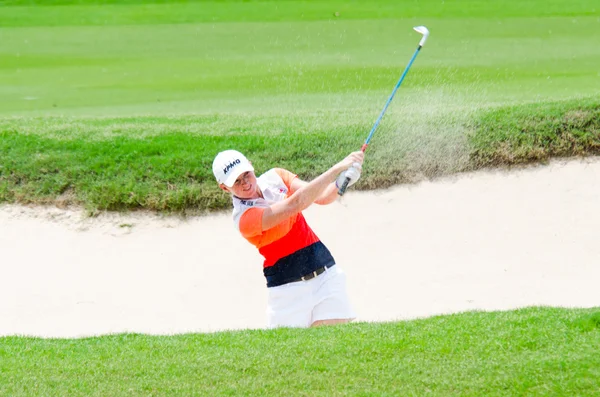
<point x="424" y="31"/>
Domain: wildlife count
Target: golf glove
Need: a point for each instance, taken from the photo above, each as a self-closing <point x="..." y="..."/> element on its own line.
<point x="353" y="173"/>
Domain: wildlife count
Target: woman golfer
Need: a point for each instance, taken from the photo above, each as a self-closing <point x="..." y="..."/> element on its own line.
<point x="305" y="287"/>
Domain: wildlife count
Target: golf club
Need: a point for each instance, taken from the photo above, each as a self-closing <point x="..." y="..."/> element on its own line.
<point x="425" y="32"/>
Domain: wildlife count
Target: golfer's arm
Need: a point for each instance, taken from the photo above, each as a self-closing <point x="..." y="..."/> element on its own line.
<point x="301" y="199"/>
<point x="328" y="196"/>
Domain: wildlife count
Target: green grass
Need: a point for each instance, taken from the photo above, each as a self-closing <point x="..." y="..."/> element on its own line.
<point x="523" y="134"/>
<point x="534" y="351"/>
<point x="117" y="164"/>
<point x="123" y="104"/>
<point x="125" y="12"/>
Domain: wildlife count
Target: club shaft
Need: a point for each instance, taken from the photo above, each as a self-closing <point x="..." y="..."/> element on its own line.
<point x="344" y="186"/>
<point x="392" y="95"/>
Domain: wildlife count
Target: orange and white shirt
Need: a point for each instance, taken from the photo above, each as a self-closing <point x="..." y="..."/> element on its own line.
<point x="291" y="249"/>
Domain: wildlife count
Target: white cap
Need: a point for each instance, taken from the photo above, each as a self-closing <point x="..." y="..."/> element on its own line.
<point x="230" y="164"/>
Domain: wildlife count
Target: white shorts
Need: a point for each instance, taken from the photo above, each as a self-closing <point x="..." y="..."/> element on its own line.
<point x="302" y="303"/>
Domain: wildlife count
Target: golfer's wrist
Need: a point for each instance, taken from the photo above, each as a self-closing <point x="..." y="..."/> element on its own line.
<point x="338" y="169"/>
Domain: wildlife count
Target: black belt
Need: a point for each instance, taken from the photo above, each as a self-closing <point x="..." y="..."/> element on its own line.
<point x="311" y="275"/>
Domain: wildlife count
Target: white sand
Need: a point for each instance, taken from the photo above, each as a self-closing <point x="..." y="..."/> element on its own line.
<point x="485" y="241"/>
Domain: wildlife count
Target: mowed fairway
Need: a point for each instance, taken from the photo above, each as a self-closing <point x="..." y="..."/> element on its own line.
<point x="145" y="94"/>
<point x="287" y="57"/>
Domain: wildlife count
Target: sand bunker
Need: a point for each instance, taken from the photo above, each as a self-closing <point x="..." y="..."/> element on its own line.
<point x="487" y="240"/>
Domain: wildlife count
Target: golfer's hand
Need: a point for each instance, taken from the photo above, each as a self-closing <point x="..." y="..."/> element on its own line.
<point x="351" y="159"/>
<point x="352" y="173"/>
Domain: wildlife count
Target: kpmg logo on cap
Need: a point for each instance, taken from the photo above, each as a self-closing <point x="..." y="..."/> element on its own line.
<point x="231" y="165"/>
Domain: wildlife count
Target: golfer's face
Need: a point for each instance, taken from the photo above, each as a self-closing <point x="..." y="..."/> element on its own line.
<point x="245" y="185"/>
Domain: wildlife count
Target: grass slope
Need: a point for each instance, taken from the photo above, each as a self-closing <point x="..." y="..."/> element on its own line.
<point x="138" y="166"/>
<point x="534" y="351"/>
